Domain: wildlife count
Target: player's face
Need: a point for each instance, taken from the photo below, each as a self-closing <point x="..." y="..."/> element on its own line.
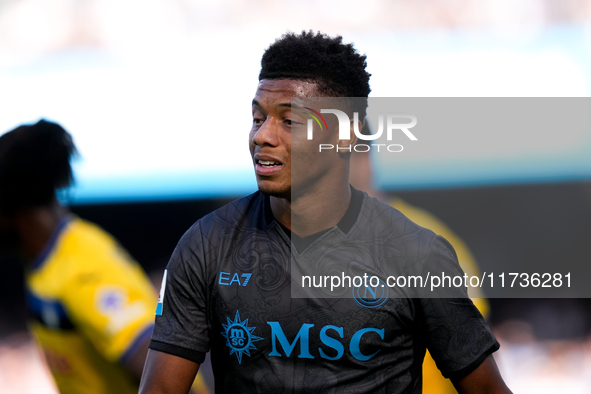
<point x="271" y="133"/>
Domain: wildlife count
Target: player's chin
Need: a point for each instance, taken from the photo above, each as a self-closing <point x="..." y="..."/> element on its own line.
<point x="273" y="189"/>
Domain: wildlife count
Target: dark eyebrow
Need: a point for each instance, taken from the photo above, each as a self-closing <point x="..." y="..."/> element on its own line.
<point x="287" y="105"/>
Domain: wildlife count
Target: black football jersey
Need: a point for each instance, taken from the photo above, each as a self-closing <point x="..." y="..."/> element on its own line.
<point x="228" y="290"/>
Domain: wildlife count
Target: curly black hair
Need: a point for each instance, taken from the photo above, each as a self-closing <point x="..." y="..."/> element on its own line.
<point x="337" y="68"/>
<point x="34" y="163"/>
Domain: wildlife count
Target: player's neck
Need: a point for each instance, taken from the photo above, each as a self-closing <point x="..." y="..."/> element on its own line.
<point x="36" y="226"/>
<point x="314" y="211"/>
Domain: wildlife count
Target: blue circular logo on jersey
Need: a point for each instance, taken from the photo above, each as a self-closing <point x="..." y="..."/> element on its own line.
<point x="239" y="337"/>
<point x="370" y="296"/>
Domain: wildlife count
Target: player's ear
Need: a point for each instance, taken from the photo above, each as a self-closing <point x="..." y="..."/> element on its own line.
<point x="348" y="144"/>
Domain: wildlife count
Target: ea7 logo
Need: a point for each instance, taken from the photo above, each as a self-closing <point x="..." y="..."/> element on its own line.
<point x="345" y="125"/>
<point x="227" y="279"/>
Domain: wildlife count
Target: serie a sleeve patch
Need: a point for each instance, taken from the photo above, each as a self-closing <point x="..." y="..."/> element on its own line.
<point x="161" y="296"/>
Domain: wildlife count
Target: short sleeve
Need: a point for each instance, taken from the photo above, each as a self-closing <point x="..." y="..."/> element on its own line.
<point x="181" y="315"/>
<point x="110" y="299"/>
<point x="456" y="334"/>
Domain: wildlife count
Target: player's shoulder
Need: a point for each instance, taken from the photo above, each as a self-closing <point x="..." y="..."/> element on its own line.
<point x="386" y="220"/>
<point x="74" y="239"/>
<point x="245" y="211"/>
<point x="86" y="241"/>
<point x="424" y="218"/>
<point x="381" y="221"/>
<point x="80" y="249"/>
<point x="239" y="215"/>
<point x="82" y="234"/>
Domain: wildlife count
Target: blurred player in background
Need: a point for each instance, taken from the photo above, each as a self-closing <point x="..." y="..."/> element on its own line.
<point x="361" y="177"/>
<point x="91" y="305"/>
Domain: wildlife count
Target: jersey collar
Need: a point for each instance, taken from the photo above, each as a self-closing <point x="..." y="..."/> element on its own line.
<point x="345" y="224"/>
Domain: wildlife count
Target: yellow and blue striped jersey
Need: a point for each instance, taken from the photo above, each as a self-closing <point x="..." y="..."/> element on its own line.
<point x="91" y="305"/>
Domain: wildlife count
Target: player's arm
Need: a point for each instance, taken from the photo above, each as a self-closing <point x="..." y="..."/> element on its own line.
<point x="485" y="379"/>
<point x="457" y="336"/>
<point x="167" y="374"/>
<point x="180" y="339"/>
